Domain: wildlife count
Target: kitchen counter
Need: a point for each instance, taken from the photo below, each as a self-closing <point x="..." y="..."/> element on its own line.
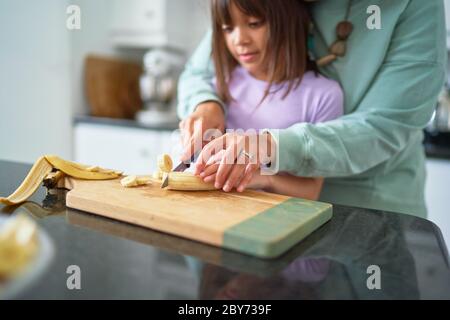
<point x="119" y="260"/>
<point x="127" y="123"/>
<point x="437" y="152"/>
<point x="437" y="145"/>
<point x="432" y="148"/>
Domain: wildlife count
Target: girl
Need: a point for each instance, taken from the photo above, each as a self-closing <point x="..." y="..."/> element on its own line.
<point x="264" y="74"/>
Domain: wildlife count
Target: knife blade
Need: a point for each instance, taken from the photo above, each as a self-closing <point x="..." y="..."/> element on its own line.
<point x="184" y="165"/>
<point x="179" y="168"/>
<point x="165" y="182"/>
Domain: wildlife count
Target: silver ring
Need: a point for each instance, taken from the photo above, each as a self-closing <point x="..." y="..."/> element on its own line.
<point x="249" y="156"/>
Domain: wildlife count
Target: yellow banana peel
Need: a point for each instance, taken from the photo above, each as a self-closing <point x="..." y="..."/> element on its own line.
<point x="44" y="166"/>
<point x="38" y="172"/>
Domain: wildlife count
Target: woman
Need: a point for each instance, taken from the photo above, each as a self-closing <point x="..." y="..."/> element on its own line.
<point x="371" y="157"/>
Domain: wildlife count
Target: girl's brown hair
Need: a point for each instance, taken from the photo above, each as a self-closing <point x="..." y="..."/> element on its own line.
<point x="286" y="54"/>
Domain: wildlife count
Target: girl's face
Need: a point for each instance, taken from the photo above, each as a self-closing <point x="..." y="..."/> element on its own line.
<point x="246" y="39"/>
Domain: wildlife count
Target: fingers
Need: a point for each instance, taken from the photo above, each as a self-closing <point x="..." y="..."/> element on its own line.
<point x="234" y="177"/>
<point x="209" y="170"/>
<point x="210" y="178"/>
<point x="221" y="161"/>
<point x="229" y="171"/>
<point x="184" y="132"/>
<point x="187" y="131"/>
<point x="194" y="138"/>
<point x="207" y="152"/>
<point x="248" y="175"/>
<point x="231" y="158"/>
<point x="225" y="167"/>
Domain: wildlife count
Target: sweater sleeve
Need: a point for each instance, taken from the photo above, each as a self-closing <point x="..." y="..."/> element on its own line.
<point x="392" y="113"/>
<point x="195" y="83"/>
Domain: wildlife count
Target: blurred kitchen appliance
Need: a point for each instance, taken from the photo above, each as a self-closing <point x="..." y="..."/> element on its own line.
<point x="158" y="87"/>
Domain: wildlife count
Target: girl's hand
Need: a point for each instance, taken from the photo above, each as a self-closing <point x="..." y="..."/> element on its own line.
<point x="228" y="161"/>
<point x="208" y="115"/>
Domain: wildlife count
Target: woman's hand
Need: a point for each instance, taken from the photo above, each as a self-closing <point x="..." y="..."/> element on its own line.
<point x="258" y="180"/>
<point x="208" y="115"/>
<point x="233" y="159"/>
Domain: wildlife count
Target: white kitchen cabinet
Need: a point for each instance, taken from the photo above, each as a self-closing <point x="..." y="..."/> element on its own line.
<point x="437" y="195"/>
<point x="132" y="150"/>
<point x="151" y="23"/>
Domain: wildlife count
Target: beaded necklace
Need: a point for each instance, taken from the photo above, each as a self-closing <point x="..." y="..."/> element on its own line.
<point x="339" y="48"/>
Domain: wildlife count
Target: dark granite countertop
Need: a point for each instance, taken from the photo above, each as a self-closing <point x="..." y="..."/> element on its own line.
<point x="437" y="152"/>
<point x="437" y="145"/>
<point x="119" y="260"/>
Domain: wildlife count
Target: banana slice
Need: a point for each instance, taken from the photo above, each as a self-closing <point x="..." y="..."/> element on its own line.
<point x="157" y="175"/>
<point x="134" y="181"/>
<point x="129" y="181"/>
<point x="143" y="180"/>
<point x="165" y="163"/>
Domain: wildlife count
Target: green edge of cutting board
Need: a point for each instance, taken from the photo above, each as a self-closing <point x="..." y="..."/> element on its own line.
<point x="272" y="232"/>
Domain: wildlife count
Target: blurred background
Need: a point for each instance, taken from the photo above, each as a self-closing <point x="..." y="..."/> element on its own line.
<point x="102" y="89"/>
<point x="125" y="58"/>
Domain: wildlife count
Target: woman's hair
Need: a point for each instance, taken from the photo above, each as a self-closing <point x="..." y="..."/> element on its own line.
<point x="286" y="54"/>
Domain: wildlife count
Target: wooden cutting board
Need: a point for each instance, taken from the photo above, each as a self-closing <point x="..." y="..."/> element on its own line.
<point x="257" y="223"/>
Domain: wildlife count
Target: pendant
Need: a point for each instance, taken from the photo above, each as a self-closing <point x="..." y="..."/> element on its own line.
<point x="326" y="60"/>
<point x="344" y="29"/>
<point x="338" y="48"/>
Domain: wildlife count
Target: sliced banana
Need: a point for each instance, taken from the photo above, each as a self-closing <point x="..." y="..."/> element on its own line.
<point x="134" y="181"/>
<point x="165" y="163"/>
<point x="158" y="174"/>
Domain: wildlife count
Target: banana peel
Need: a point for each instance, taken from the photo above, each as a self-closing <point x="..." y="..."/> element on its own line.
<point x="80" y="172"/>
<point x="43" y="168"/>
<point x="38" y="172"/>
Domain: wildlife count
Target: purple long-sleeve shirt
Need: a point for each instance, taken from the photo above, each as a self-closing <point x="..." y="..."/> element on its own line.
<point x="316" y="99"/>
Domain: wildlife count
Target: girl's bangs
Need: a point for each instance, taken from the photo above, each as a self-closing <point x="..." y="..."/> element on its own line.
<point x="252" y="8"/>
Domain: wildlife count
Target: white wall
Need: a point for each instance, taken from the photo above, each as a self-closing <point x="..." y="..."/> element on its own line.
<point x="35" y="96"/>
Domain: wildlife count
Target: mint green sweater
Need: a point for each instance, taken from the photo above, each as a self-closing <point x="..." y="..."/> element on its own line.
<point x="373" y="156"/>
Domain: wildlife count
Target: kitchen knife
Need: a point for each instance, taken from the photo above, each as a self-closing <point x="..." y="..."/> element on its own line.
<point x="184" y="165"/>
<point x="179" y="168"/>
